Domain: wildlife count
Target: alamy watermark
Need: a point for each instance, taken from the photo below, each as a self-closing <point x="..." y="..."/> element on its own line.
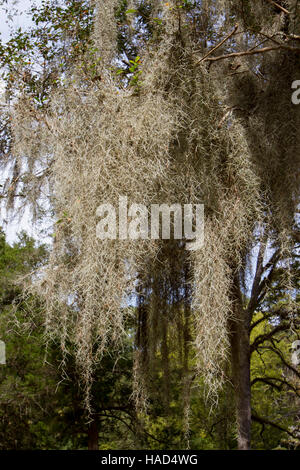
<point x="296" y="93"/>
<point x="296" y="353"/>
<point x="2" y="353"/>
<point x="140" y="223"/>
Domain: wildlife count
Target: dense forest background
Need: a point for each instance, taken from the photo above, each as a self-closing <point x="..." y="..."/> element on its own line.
<point x="147" y="345"/>
<point x="42" y="405"/>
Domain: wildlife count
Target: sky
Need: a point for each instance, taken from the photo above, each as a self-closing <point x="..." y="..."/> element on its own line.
<point x="20" y="19"/>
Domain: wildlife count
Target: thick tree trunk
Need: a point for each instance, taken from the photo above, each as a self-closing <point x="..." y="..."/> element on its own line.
<point x="93" y="436"/>
<point x="240" y="360"/>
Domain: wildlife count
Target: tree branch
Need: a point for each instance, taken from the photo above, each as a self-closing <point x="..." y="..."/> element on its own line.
<point x="278" y="6"/>
<point x="269" y="381"/>
<point x="263" y="421"/>
<point x="262" y="338"/>
<point x="220" y="44"/>
<point x="279" y="353"/>
<point x="252" y="52"/>
<point x="255" y="291"/>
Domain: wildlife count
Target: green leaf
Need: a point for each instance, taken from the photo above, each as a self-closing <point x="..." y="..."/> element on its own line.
<point x="129" y="12"/>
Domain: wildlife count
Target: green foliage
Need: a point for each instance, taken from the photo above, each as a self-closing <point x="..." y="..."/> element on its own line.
<point x="24" y="381"/>
<point x="40" y="409"/>
<point x="275" y="390"/>
<point x="17" y="260"/>
<point x="39" y="56"/>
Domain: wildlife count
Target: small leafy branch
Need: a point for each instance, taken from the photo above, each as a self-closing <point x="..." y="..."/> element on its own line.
<point x="134" y="69"/>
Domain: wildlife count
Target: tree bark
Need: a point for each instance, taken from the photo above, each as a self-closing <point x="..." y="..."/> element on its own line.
<point x="93" y="436"/>
<point x="240" y="361"/>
